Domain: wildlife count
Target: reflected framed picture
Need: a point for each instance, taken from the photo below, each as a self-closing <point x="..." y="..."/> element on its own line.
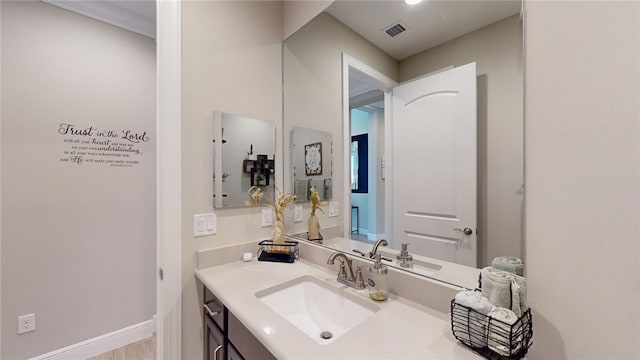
<point x="313" y="159"/>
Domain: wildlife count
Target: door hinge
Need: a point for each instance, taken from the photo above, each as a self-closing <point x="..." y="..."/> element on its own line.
<point x="161" y="274"/>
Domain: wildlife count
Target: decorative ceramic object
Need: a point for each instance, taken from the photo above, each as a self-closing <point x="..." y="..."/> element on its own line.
<point x="314" y="222"/>
<point x="255" y="194"/>
<point x="277" y="231"/>
<point x="282" y="201"/>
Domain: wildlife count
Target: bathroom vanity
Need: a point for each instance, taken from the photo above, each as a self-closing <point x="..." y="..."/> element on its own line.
<point x="225" y="337"/>
<point x="253" y="305"/>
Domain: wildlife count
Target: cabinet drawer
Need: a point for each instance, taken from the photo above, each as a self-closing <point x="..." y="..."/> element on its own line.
<point x="244" y="341"/>
<point x="213" y="341"/>
<point x="213" y="308"/>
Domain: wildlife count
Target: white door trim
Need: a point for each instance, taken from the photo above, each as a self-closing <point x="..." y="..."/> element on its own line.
<point x="388" y="168"/>
<point x="385" y="84"/>
<point x="0" y="184"/>
<point x="169" y="180"/>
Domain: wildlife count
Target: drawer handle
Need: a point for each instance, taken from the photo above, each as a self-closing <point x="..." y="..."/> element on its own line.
<point x="215" y="352"/>
<point x="210" y="312"/>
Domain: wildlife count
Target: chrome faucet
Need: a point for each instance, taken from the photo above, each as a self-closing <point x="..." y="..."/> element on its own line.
<point x="372" y="254"/>
<point x="345" y="275"/>
<point x="374" y="251"/>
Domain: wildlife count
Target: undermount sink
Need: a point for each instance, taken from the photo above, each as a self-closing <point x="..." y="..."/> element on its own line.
<point x="419" y="266"/>
<point x="321" y="311"/>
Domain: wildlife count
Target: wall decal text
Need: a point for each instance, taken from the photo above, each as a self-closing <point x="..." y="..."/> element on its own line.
<point x="106" y="147"/>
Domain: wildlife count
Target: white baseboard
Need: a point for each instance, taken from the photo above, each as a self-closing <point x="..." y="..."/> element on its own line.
<point x="103" y="343"/>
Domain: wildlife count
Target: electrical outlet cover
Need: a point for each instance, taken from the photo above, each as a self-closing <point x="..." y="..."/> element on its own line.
<point x="266" y="218"/>
<point x="26" y="323"/>
<point x="334" y="209"/>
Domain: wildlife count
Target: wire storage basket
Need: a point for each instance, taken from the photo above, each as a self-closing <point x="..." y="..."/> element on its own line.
<point x="490" y="337"/>
<point x="287" y="252"/>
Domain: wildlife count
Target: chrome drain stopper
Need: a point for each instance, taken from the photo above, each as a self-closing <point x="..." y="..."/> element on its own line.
<point x="326" y="335"/>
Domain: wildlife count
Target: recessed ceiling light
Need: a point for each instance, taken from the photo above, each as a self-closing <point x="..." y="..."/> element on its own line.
<point x="412" y="2"/>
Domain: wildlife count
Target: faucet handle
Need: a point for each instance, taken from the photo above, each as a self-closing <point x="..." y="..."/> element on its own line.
<point x="342" y="274"/>
<point x="359" y="279"/>
<point x="359" y="252"/>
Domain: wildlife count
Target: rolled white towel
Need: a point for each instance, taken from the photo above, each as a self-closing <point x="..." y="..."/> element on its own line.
<point x="474" y="300"/>
<point x="504" y="289"/>
<point x="522" y="285"/>
<point x="499" y="332"/>
<point x="476" y="329"/>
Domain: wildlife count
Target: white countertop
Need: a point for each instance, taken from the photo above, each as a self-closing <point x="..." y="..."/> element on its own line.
<point x="401" y="329"/>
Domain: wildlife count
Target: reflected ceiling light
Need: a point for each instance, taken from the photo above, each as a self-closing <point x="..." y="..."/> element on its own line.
<point x="412" y="2"/>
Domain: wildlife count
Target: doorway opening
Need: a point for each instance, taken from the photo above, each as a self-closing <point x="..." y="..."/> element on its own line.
<point x="366" y="146"/>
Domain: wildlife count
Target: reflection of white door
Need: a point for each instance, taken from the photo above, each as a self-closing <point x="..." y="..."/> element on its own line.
<point x="434" y="165"/>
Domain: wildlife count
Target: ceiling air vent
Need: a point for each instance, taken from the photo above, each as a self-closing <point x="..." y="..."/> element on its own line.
<point x="396" y="29"/>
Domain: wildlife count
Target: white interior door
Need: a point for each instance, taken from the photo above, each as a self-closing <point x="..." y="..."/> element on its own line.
<point x="434" y="165"/>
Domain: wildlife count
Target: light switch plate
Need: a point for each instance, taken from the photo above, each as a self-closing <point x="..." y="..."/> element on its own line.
<point x="212" y="223"/>
<point x="297" y="213"/>
<point x="266" y="218"/>
<point x="205" y="224"/>
<point x="334" y="209"/>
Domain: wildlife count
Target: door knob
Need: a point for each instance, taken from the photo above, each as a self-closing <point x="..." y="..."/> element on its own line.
<point x="466" y="231"/>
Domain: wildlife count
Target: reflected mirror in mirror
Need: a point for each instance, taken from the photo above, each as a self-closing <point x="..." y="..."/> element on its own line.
<point x="244" y="151"/>
<point x="340" y="66"/>
<point x="311" y="163"/>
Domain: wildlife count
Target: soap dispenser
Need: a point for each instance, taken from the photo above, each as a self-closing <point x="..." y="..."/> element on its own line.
<point x="378" y="283"/>
<point x="405" y="260"/>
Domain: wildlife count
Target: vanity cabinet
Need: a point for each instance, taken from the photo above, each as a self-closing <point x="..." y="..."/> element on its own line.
<point x="225" y="337"/>
<point x="214" y="328"/>
<point x="213" y="340"/>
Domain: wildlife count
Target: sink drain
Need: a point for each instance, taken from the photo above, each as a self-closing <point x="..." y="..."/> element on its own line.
<point x="326" y="335"/>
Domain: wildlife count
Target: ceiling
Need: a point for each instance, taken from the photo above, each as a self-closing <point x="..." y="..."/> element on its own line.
<point x="138" y="16"/>
<point x="429" y="23"/>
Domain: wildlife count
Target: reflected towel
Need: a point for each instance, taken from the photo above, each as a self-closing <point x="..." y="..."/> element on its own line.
<point x="508" y="263"/>
<point x="504" y="289"/>
<point x="500" y="332"/>
<point x="478" y="321"/>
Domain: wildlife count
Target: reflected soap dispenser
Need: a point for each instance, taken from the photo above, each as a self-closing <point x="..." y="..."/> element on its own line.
<point x="378" y="284"/>
<point x="405" y="260"/>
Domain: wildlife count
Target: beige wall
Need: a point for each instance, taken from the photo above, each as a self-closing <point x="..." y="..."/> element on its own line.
<point x="78" y="241"/>
<point x="313" y="88"/>
<point x="296" y="13"/>
<point x="231" y="62"/>
<point x="497" y="50"/>
<point x="582" y="175"/>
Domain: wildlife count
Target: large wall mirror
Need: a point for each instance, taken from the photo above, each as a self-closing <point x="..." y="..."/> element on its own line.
<point x="398" y="77"/>
<point x="243" y="160"/>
